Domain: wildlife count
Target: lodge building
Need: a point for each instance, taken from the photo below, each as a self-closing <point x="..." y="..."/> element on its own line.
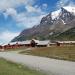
<point x="27" y="43"/>
<point x="35" y="43"/>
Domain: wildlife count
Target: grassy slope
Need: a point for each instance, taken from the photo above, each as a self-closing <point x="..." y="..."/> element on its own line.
<point x="68" y="35"/>
<point x="66" y="53"/>
<point x="8" y="68"/>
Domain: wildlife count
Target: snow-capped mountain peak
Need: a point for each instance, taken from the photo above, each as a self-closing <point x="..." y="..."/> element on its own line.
<point x="55" y="14"/>
<point x="51" y="25"/>
<point x="66" y="14"/>
<point x="70" y="9"/>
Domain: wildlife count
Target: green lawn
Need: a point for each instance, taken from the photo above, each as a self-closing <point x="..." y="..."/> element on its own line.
<point x="9" y="68"/>
<point x="62" y="52"/>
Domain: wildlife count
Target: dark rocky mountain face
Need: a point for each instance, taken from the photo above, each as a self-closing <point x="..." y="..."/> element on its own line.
<point x="66" y="16"/>
<point x="49" y="26"/>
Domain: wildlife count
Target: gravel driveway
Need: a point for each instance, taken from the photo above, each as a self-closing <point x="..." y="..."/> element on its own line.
<point x="49" y="66"/>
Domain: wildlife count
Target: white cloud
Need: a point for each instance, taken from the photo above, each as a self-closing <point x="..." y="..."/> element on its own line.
<point x="7" y="36"/>
<point x="5" y="4"/>
<point x="29" y="8"/>
<point x="62" y="3"/>
<point x="10" y="11"/>
<point x="29" y="21"/>
<point x="45" y="6"/>
<point x="34" y="9"/>
<point x="72" y="4"/>
<point x="25" y="19"/>
<point x="28" y="18"/>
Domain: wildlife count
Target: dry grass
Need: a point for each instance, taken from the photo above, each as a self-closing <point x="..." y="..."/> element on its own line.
<point x="62" y="52"/>
<point x="16" y="49"/>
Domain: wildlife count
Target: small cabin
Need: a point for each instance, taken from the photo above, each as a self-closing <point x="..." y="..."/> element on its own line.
<point x="24" y="43"/>
<point x="66" y="43"/>
<point x="34" y="42"/>
<point x="45" y="43"/>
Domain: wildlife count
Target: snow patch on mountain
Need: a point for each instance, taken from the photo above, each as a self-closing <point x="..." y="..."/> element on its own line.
<point x="70" y="9"/>
<point x="55" y="14"/>
<point x="63" y="21"/>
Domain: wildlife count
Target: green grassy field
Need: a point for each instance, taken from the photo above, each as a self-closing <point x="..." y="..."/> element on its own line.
<point x="62" y="52"/>
<point x="9" y="68"/>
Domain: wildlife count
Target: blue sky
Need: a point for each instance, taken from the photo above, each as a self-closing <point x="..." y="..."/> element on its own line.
<point x="16" y="15"/>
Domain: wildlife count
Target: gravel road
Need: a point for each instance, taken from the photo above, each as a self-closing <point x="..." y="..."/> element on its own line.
<point x="47" y="65"/>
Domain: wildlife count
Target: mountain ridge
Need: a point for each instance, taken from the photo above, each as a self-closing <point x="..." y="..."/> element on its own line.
<point x="49" y="26"/>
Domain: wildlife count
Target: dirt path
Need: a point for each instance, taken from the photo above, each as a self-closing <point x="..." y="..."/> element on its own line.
<point x="50" y="66"/>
